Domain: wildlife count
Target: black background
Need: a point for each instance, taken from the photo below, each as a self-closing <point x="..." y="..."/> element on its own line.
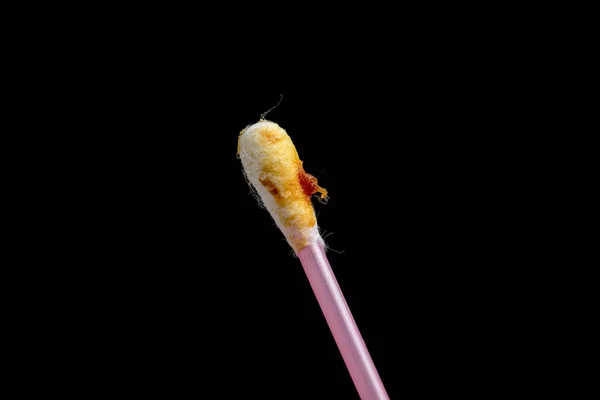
<point x="175" y="279"/>
<point x="193" y="284"/>
<point x="149" y="267"/>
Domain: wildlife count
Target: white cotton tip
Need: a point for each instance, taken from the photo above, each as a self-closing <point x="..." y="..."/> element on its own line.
<point x="272" y="166"/>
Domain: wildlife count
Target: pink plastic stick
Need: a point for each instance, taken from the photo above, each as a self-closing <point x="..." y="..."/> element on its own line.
<point x="342" y="325"/>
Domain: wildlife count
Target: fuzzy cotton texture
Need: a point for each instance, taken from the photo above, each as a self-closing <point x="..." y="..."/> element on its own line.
<point x="272" y="166"/>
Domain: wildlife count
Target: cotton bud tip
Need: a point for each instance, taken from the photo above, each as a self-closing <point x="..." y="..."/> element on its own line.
<point x="272" y="166"/>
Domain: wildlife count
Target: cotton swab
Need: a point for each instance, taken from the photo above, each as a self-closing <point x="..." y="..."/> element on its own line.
<point x="271" y="164"/>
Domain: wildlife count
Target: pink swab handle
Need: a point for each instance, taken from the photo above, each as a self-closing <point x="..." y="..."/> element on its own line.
<point x="342" y="325"/>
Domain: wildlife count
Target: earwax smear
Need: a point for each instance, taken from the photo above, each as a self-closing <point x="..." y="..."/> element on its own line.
<point x="272" y="166"/>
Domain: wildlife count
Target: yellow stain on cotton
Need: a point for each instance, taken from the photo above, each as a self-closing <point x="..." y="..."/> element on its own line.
<point x="270" y="160"/>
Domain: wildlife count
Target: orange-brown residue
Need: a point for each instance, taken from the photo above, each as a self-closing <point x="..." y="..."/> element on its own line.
<point x="306" y="219"/>
<point x="310" y="184"/>
<point x="271" y="136"/>
<point x="290" y="192"/>
<point x="272" y="188"/>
